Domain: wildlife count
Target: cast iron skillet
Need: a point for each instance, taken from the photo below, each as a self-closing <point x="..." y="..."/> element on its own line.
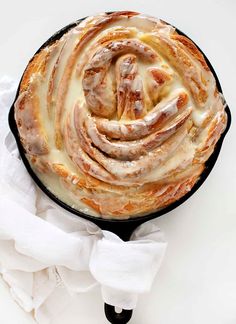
<point x="123" y="228"/>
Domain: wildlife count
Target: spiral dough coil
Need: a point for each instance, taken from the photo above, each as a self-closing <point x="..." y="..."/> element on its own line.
<point x="119" y="115"/>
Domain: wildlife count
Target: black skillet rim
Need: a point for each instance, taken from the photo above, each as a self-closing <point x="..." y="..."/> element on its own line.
<point x="106" y="223"/>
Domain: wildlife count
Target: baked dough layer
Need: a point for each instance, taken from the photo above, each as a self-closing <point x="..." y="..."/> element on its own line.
<point x="119" y="115"/>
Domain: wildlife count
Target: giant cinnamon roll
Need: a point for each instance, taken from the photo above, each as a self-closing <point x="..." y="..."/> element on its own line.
<point x="119" y="115"/>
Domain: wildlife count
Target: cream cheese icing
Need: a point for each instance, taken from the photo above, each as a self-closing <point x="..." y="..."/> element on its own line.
<point x="119" y="115"/>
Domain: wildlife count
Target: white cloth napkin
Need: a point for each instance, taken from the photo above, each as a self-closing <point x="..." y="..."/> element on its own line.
<point x="47" y="254"/>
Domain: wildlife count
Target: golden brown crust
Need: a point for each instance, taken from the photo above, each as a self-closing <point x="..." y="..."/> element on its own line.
<point x="32" y="67"/>
<point x="33" y="136"/>
<point x="192" y="49"/>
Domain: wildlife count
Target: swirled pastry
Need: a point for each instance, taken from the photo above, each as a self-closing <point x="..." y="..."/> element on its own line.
<point x="119" y="115"/>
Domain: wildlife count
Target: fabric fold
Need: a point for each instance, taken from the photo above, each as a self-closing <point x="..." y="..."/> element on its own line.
<point x="48" y="255"/>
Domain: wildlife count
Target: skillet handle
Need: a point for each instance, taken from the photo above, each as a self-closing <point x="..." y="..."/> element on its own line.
<point x="117" y="318"/>
<point x="110" y="312"/>
<point x="124" y="231"/>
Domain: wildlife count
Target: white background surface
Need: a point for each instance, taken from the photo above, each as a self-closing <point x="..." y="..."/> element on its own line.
<point x="197" y="281"/>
